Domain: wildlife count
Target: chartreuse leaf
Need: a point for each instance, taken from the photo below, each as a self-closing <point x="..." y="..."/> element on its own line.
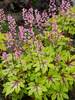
<point x="37" y="90"/>
<point x="7" y="88"/>
<point x="59" y="91"/>
<point x="2" y="46"/>
<point x="45" y="97"/>
<point x="59" y="97"/>
<point x="13" y="86"/>
<point x="2" y="39"/>
<point x="65" y="55"/>
<point x="53" y="96"/>
<point x="65" y="96"/>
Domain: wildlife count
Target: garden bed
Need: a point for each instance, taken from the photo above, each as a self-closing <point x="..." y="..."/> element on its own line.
<point x="37" y="53"/>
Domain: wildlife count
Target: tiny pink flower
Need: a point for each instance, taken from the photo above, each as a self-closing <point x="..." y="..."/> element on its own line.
<point x="4" y="55"/>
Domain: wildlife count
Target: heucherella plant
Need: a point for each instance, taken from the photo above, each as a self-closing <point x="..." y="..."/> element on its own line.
<point x="42" y="66"/>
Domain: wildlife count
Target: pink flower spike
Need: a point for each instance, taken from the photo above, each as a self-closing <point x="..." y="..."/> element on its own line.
<point x="21" y="32"/>
<point x="2" y="15"/>
<point x="17" y="53"/>
<point x="12" y="24"/>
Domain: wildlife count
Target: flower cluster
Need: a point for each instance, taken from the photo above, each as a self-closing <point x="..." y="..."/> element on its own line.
<point x="33" y="18"/>
<point x="13" y="42"/>
<point x="2" y="17"/>
<point x="65" y="5"/>
<point x="12" y="24"/>
<point x="21" y="32"/>
<point x="52" y="7"/>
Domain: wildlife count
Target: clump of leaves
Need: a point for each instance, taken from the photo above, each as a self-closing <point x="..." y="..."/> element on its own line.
<point x="4" y="26"/>
<point x="66" y="22"/>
